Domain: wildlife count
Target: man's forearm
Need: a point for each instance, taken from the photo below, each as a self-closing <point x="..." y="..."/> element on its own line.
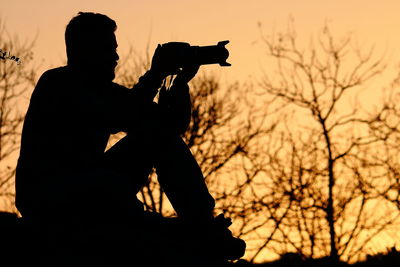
<point x="181" y="106"/>
<point x="175" y="104"/>
<point x="148" y="85"/>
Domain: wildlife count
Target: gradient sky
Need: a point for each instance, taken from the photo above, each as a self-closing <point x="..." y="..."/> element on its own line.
<point x="205" y="22"/>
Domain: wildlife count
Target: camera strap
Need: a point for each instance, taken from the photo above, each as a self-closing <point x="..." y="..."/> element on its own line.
<point x="164" y="90"/>
<point x="166" y="86"/>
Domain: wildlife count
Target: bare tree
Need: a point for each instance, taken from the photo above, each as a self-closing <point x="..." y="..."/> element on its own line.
<point x="384" y="126"/>
<point x="317" y="193"/>
<point x="16" y="79"/>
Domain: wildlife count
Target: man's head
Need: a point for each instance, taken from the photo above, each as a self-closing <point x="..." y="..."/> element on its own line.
<point x="91" y="44"/>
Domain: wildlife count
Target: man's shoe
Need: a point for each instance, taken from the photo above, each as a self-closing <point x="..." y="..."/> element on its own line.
<point x="225" y="245"/>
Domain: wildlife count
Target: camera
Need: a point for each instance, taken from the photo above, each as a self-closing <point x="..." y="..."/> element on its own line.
<point x="181" y="54"/>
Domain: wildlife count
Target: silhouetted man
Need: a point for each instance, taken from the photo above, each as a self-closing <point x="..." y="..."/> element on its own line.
<point x="64" y="174"/>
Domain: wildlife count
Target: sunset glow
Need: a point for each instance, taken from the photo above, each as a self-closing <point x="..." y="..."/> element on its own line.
<point x="142" y="23"/>
<point x="374" y="25"/>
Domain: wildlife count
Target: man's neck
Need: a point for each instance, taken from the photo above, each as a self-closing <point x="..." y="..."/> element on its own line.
<point x="88" y="74"/>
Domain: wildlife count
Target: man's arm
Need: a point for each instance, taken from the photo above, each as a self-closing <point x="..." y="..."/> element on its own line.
<point x="176" y="103"/>
<point x="176" y="107"/>
<point x="147" y="87"/>
<point x="134" y="109"/>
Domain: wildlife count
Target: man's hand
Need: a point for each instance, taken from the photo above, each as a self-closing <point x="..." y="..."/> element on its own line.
<point x="166" y="60"/>
<point x="186" y="74"/>
<point x="162" y="63"/>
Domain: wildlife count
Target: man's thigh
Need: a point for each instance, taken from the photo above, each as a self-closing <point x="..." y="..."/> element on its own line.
<point x="132" y="157"/>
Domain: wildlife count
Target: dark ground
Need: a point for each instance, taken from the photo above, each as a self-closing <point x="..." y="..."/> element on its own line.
<point x="14" y="251"/>
<point x="389" y="259"/>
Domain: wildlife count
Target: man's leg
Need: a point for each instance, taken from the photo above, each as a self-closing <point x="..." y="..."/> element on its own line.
<point x="131" y="157"/>
<point x="178" y="172"/>
<point x="182" y="180"/>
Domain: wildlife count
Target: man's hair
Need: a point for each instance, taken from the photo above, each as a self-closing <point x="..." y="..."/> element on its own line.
<point x="84" y="29"/>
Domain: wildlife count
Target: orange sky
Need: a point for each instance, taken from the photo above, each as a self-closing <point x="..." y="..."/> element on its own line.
<point x="205" y="22"/>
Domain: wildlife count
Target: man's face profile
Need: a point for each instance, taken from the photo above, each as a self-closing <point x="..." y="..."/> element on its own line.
<point x="101" y="56"/>
<point x="92" y="46"/>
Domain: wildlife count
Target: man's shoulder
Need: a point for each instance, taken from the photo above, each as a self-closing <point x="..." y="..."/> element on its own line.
<point x="54" y="74"/>
<point x="120" y="90"/>
<point x="119" y="86"/>
<point x="63" y="70"/>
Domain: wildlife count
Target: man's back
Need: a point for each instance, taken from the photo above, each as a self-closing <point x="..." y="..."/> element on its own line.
<point x="66" y="129"/>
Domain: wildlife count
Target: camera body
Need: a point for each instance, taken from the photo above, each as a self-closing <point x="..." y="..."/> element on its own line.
<point x="180" y="54"/>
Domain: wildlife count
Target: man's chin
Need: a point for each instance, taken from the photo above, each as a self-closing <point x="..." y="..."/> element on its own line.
<point x="108" y="76"/>
<point x="111" y="76"/>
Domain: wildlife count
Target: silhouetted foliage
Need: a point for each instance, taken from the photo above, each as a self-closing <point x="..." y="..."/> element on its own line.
<point x="15" y="81"/>
<point x="316" y="195"/>
<point x="389" y="258"/>
<point x="297" y="176"/>
<point x="383" y="125"/>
